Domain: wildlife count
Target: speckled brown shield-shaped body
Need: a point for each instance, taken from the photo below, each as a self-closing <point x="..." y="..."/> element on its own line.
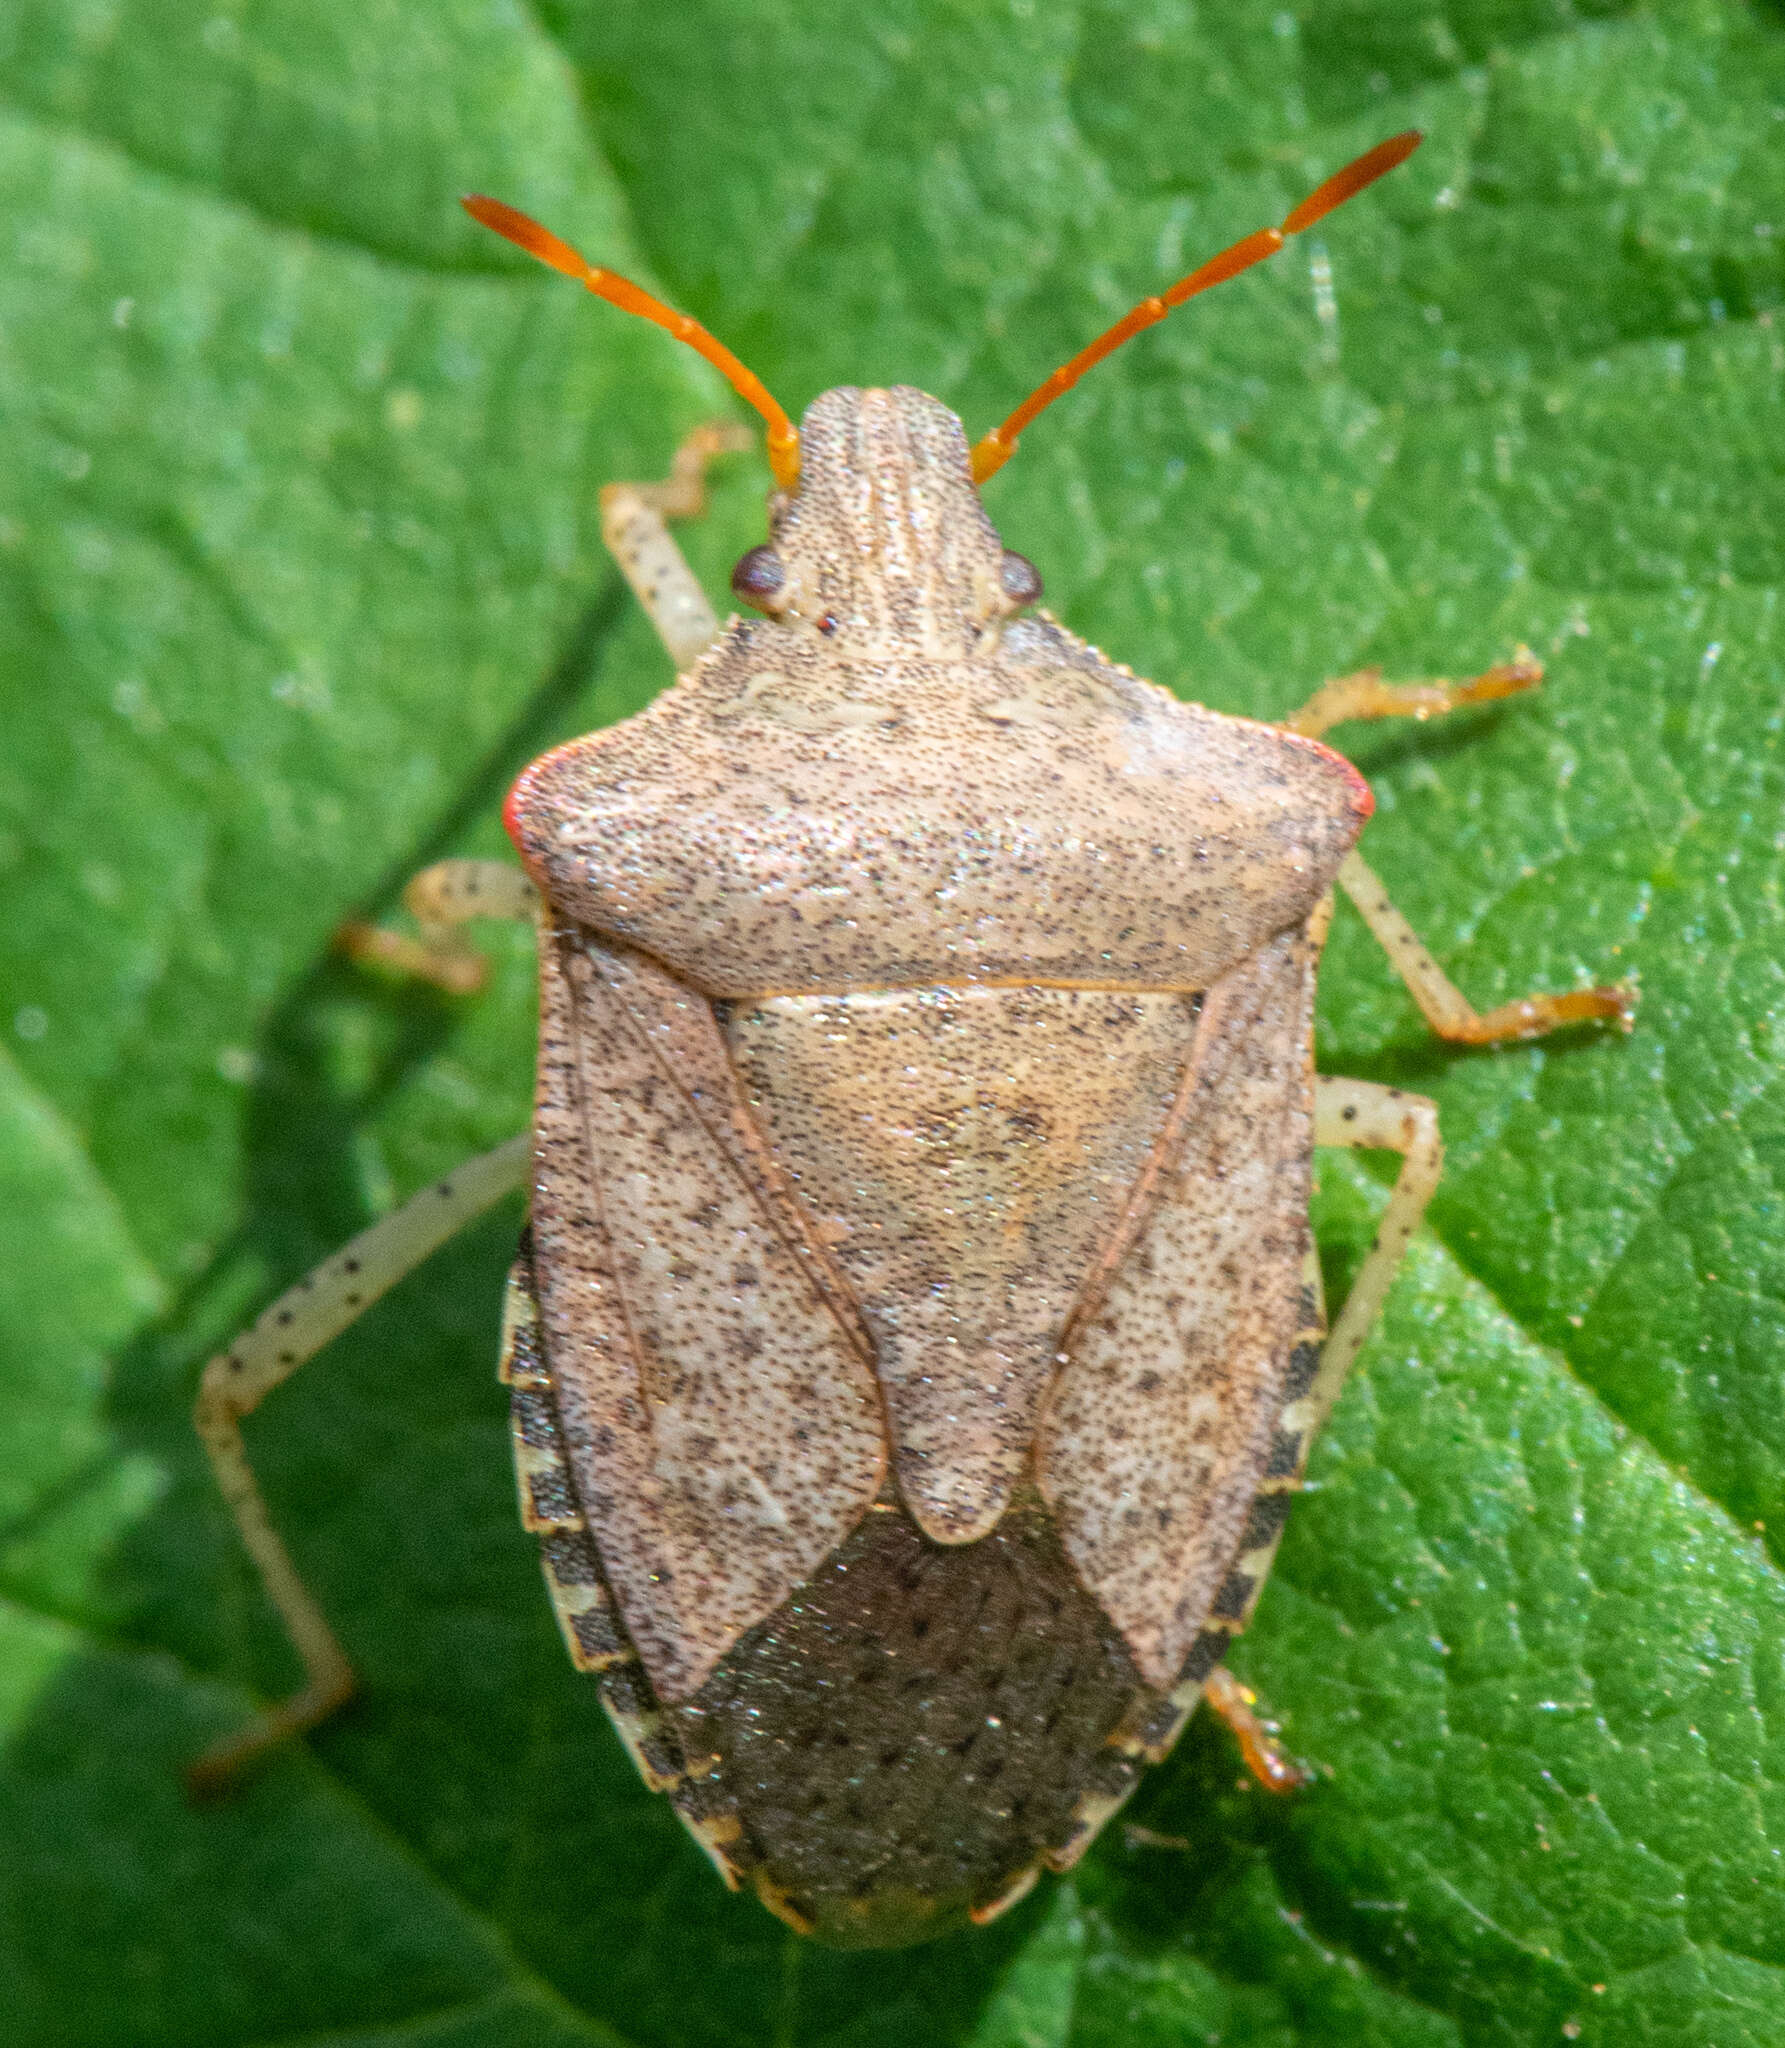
<point x="917" y="1338"/>
<point x="906" y="1352"/>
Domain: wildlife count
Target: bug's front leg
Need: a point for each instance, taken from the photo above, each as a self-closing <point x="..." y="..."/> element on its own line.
<point x="1363" y="694"/>
<point x="445" y="897"/>
<point x="296" y="1327"/>
<point x="633" y="525"/>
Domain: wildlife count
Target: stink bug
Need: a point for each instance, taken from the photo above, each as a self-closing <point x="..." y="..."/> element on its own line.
<point x="916" y="1340"/>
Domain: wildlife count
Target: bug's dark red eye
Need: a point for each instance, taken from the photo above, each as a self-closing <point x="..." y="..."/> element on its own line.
<point x="758" y="577"/>
<point x="1021" y="578"/>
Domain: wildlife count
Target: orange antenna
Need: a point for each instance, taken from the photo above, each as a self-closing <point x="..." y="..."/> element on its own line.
<point x="525" y="233"/>
<point x="995" y="450"/>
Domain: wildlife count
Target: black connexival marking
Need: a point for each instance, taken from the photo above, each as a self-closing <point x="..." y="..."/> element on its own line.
<point x="550" y="1494"/>
<point x="535" y="1423"/>
<point x="571" y="1560"/>
<point x="1230" y="1601"/>
<point x="1304" y="1363"/>
<point x="1205" y="1653"/>
<point x="1286" y="1455"/>
<point x="1265" y="1522"/>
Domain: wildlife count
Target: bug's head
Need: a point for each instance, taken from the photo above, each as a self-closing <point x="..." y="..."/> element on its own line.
<point x="884" y="542"/>
<point x="879" y="487"/>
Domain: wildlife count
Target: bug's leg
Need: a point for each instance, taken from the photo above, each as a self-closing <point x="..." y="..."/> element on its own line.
<point x="633" y="525"/>
<point x="1444" y="1006"/>
<point x="296" y="1327"/>
<point x="442" y="900"/>
<point x="1235" y="1703"/>
<point x="444" y="897"/>
<point x="1366" y="1114"/>
<point x="1365" y="695"/>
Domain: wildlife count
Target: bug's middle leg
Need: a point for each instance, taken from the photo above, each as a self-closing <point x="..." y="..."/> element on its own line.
<point x="443" y="899"/>
<point x="1364" y="695"/>
<point x="1444" y="1006"/>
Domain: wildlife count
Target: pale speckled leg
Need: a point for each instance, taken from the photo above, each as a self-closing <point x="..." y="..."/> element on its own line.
<point x="1364" y="694"/>
<point x="1019" y="1889"/>
<point x="1445" y="1008"/>
<point x="633" y="525"/>
<point x="1366" y="1114"/>
<point x="1235" y="1703"/>
<point x="295" y="1328"/>
<point x="442" y="900"/>
<point x="1360" y="1113"/>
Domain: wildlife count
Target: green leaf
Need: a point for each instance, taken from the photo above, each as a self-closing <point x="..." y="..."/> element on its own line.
<point x="299" y="561"/>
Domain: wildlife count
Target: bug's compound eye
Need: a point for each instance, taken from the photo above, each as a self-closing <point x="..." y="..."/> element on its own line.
<point x="1020" y="578"/>
<point x="758" y="578"/>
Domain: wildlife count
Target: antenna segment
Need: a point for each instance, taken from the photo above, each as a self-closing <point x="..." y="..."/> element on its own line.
<point x="526" y="233"/>
<point x="996" y="449"/>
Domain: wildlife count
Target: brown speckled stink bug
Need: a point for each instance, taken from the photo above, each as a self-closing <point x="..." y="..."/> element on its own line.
<point x="916" y="1342"/>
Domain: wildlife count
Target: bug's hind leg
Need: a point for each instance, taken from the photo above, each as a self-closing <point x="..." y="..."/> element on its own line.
<point x="1351" y="1113"/>
<point x="1263" y="1757"/>
<point x="296" y="1327"/>
<point x="443" y="899"/>
<point x="1365" y="1114"/>
<point x="633" y="524"/>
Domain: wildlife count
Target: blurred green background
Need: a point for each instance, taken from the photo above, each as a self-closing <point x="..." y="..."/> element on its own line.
<point x="298" y="562"/>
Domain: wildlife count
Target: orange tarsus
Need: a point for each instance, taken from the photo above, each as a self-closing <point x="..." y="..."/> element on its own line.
<point x="1234" y="1703"/>
<point x="996" y="448"/>
<point x="1267" y="1763"/>
<point x="526" y="233"/>
<point x="1538" y="1016"/>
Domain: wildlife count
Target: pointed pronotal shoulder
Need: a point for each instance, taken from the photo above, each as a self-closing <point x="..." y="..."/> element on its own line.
<point x="924" y="790"/>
